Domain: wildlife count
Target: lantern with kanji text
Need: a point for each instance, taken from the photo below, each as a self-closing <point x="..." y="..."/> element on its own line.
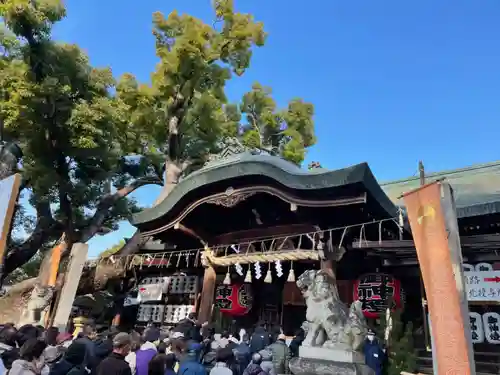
<point x="235" y="300"/>
<point x="377" y="292"/>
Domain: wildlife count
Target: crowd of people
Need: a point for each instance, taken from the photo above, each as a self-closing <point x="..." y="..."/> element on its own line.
<point x="189" y="348"/>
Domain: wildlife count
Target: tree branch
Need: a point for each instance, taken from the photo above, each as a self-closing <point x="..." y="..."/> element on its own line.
<point x="108" y="201"/>
<point x="46" y="229"/>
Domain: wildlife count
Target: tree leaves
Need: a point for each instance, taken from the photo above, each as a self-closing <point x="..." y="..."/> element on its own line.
<point x="88" y="141"/>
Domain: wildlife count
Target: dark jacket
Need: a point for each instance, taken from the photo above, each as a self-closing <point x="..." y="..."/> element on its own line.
<point x="208" y="361"/>
<point x="295" y="345"/>
<point x="190" y="365"/>
<point x="63" y="367"/>
<point x="374" y="355"/>
<point x="91" y="360"/>
<point x="115" y="364"/>
<point x="259" y="340"/>
<point x="242" y="357"/>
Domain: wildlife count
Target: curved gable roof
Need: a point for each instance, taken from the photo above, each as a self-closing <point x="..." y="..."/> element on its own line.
<point x="272" y="167"/>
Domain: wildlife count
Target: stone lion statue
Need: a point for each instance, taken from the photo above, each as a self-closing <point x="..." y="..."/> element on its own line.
<point x="330" y="323"/>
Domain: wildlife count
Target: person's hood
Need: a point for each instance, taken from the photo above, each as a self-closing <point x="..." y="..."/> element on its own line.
<point x="254" y="369"/>
<point x="52" y="354"/>
<point x="4" y="347"/>
<point x="21" y="367"/>
<point x="61" y="368"/>
<point x="148" y="345"/>
<point x="266" y="355"/>
<point x="209" y="358"/>
<point x="260" y="330"/>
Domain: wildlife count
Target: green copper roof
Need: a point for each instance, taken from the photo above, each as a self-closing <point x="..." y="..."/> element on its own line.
<point x="476" y="188"/>
<point x="274" y="168"/>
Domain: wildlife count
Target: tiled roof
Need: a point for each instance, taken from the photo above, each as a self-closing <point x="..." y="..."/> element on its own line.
<point x="476" y="188"/>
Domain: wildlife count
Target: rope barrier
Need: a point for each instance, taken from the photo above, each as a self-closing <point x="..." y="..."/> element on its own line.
<point x="231" y="260"/>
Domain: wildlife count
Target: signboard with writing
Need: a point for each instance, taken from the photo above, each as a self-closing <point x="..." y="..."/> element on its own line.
<point x="483" y="286"/>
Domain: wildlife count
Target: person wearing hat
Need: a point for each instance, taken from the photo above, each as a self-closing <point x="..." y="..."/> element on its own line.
<point x="374" y="353"/>
<point x="51" y="355"/>
<point x="72" y="361"/>
<point x="115" y="363"/>
<point x="281" y="354"/>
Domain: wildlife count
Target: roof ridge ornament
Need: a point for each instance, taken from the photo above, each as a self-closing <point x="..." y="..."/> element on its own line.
<point x="232" y="146"/>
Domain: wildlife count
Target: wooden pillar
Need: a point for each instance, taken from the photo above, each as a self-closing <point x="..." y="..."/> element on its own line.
<point x="9" y="191"/>
<point x="433" y="222"/>
<point x="207" y="295"/>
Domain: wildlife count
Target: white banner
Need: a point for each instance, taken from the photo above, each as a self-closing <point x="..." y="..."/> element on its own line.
<point x="151" y="292"/>
<point x="483" y="286"/>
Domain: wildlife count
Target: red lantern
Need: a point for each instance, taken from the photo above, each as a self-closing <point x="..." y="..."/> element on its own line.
<point x="376" y="291"/>
<point x="234" y="300"/>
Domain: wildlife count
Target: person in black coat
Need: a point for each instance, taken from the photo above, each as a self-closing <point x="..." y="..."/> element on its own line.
<point x="73" y="361"/>
<point x="297" y="342"/>
<point x="374" y="353"/>
<point x="260" y="339"/>
<point x="115" y="364"/>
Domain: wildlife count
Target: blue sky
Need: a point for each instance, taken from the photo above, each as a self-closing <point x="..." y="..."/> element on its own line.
<point x="392" y="81"/>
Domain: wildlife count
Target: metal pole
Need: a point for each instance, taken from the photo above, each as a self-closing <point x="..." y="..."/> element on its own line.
<point x="428" y="346"/>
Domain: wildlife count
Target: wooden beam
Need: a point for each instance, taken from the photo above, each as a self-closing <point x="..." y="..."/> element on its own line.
<point x="9" y="191"/>
<point x="466" y="241"/>
<point x="191" y="232"/>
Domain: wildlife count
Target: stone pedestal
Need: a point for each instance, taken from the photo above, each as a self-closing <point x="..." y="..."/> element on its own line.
<point x="322" y="361"/>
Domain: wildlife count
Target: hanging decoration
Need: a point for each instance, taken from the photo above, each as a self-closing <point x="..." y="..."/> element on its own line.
<point x="269" y="277"/>
<point x="378" y="292"/>
<point x="235" y="300"/>
<point x="248" y="276"/>
<point x="227" y="279"/>
<point x="291" y="274"/>
<point x="258" y="271"/>
<point x="239" y="269"/>
<point x="309" y="247"/>
<point x="279" y="268"/>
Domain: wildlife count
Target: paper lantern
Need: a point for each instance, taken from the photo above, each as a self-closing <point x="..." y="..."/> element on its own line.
<point x="235" y="300"/>
<point x="376" y="291"/>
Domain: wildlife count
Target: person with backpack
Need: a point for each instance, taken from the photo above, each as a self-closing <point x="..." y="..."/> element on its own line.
<point x="259" y="339"/>
<point x="281" y="354"/>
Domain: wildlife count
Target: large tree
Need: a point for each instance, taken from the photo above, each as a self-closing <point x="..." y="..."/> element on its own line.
<point x="88" y="142"/>
<point x="186" y="109"/>
<point x="81" y="156"/>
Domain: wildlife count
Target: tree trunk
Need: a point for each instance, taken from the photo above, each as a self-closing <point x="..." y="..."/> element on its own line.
<point x="173" y="172"/>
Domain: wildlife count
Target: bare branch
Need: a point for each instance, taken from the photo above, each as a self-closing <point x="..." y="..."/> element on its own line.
<point x="108" y="201"/>
<point x="46" y="229"/>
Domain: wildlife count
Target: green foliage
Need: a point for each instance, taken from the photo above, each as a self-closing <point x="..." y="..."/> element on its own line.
<point x="402" y="355"/>
<point x="26" y="271"/>
<point x="85" y="136"/>
<point x="112" y="250"/>
<point x="285" y="132"/>
<point x="188" y="90"/>
<point x="76" y="136"/>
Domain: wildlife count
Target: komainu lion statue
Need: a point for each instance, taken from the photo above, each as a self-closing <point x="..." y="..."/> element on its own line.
<point x="330" y="324"/>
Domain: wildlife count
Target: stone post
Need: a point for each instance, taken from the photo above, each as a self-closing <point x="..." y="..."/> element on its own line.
<point x="74" y="271"/>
